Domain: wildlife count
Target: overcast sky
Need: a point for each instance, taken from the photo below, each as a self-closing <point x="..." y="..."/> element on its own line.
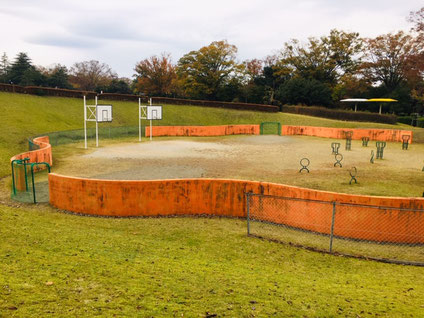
<point x="121" y="33"/>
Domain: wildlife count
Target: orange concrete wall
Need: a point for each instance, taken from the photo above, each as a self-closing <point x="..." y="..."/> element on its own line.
<point x="358" y="133"/>
<point x="227" y="198"/>
<point x="203" y="130"/>
<point x="44" y="154"/>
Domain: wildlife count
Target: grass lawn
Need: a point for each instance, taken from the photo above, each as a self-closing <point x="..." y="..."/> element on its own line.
<point x="66" y="265"/>
<point x="56" y="264"/>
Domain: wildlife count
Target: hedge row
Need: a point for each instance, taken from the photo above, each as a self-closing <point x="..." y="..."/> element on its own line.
<point x="46" y="91"/>
<point x="340" y="114"/>
<point x="208" y="103"/>
<point x="408" y="120"/>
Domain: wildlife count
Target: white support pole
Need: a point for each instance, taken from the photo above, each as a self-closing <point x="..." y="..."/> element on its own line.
<point x="151" y="132"/>
<point x="381" y="105"/>
<point x="139" y="119"/>
<point x="85" y="123"/>
<point x="356" y="107"/>
<point x="97" y="127"/>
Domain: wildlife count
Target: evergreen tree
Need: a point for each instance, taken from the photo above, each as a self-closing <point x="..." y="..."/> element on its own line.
<point x="4" y="67"/>
<point x="22" y="72"/>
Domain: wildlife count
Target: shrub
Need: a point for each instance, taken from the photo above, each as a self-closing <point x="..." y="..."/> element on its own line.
<point x="340" y="114"/>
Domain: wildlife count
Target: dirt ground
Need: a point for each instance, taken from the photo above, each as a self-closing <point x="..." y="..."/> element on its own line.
<point x="262" y="158"/>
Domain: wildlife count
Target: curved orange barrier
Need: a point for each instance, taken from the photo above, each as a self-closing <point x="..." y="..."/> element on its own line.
<point x="326" y="132"/>
<point x="227" y="198"/>
<point x="43" y="154"/>
<point x="222" y="197"/>
<point x="338" y="133"/>
<point x="198" y="131"/>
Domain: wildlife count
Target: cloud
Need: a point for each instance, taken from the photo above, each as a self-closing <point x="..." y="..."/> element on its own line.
<point x="65" y="41"/>
<point x="106" y="28"/>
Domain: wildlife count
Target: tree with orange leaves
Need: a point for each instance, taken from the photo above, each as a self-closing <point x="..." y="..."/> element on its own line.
<point x="156" y="75"/>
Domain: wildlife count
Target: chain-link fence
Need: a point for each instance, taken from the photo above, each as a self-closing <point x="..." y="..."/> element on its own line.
<point x="381" y="233"/>
<point x="30" y="181"/>
<point x="105" y="132"/>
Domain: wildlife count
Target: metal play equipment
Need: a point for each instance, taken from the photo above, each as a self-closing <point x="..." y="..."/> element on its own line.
<point x="21" y="170"/>
<point x="353" y="172"/>
<point x="348" y="135"/>
<point x="339" y="158"/>
<point x="380" y="148"/>
<point x="148" y="112"/>
<point x="335" y="147"/>
<point x="304" y="162"/>
<point x="405" y="141"/>
<point x="365" y="141"/>
<point x="97" y="113"/>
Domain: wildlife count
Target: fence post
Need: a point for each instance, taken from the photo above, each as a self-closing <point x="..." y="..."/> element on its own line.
<point x="333" y="217"/>
<point x="248" y="212"/>
<point x="33" y="183"/>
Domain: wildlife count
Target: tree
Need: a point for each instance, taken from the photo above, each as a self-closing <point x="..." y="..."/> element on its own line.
<point x="88" y="75"/>
<point x="156" y="76"/>
<point x="417" y="18"/>
<point x="57" y="76"/>
<point x="4" y="67"/>
<point x="325" y="59"/>
<point x="393" y="59"/>
<point x="22" y="72"/>
<point x="117" y="85"/>
<point x="203" y="73"/>
<point x="299" y="90"/>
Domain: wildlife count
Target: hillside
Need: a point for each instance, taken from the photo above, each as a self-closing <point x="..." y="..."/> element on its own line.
<point x="23" y="116"/>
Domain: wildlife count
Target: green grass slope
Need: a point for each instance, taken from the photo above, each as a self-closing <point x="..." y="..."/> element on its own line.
<point x="55" y="264"/>
<point x="61" y="265"/>
<point x="23" y="116"/>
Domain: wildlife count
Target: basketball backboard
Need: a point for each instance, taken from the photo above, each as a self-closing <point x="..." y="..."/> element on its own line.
<point x="154" y="112"/>
<point x="104" y="113"/>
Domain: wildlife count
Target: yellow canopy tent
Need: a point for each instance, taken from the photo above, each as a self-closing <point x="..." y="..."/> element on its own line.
<point x="381" y="101"/>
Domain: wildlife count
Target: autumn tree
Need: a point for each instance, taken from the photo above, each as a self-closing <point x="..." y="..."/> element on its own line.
<point x="203" y="73"/>
<point x="156" y="75"/>
<point x="325" y="59"/>
<point x="88" y="75"/>
<point x="393" y="59"/>
<point x="417" y="18"/>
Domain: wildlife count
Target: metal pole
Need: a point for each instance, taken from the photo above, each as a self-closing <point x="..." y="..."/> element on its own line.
<point x="248" y="212"/>
<point x="332" y="227"/>
<point x="139" y="119"/>
<point x="13" y="178"/>
<point x="85" y="123"/>
<point x="151" y="132"/>
<point x="33" y="183"/>
<point x="97" y="127"/>
<point x="25" y="161"/>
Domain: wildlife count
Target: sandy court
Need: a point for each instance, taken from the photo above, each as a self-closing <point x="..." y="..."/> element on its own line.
<point x="262" y="158"/>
